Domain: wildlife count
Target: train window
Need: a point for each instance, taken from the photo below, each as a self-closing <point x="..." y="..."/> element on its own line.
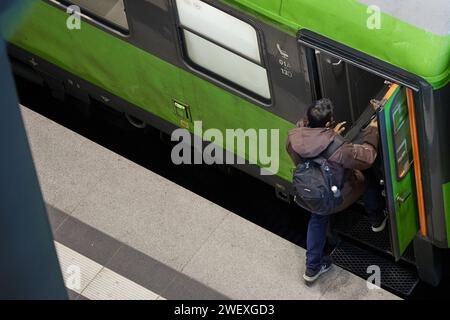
<point x="220" y="26"/>
<point x="227" y="64"/>
<point x="402" y="135"/>
<point x="224" y="45"/>
<point x="111" y="11"/>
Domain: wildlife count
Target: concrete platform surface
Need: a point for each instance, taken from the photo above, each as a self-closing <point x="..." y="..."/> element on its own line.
<point x="147" y="236"/>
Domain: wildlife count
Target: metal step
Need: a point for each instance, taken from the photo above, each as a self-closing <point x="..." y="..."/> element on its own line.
<point x="399" y="278"/>
<point x="353" y="224"/>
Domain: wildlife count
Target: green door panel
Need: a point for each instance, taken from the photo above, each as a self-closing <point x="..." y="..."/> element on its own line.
<point x="399" y="172"/>
<point x="446" y="191"/>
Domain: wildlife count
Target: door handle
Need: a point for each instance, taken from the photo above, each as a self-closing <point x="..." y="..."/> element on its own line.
<point x="328" y="60"/>
<point x="402" y="198"/>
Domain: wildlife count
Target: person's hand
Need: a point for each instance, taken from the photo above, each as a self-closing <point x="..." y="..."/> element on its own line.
<point x="374" y="123"/>
<point x="340" y="127"/>
<point x="375" y="104"/>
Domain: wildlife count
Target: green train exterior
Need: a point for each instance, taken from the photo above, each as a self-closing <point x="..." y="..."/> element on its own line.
<point x="308" y="49"/>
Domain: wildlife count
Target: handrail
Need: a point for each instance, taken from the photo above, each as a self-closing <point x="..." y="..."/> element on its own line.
<point x="416" y="160"/>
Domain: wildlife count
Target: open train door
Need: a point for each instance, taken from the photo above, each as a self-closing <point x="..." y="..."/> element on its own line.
<point x="400" y="186"/>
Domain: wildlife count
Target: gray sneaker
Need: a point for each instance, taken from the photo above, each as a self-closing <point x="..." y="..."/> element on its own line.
<point x="311" y="275"/>
<point x="379" y="226"/>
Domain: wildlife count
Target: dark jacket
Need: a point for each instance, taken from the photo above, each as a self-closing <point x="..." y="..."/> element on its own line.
<point x="346" y="162"/>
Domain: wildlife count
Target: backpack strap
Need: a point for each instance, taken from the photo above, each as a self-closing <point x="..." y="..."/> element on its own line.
<point x="337" y="142"/>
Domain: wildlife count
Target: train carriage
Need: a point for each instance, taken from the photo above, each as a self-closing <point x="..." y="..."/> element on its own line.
<point x="259" y="64"/>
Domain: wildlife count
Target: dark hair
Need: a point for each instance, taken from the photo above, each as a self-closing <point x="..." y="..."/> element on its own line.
<point x="319" y="113"/>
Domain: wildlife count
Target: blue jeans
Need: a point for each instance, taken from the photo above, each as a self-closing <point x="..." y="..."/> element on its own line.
<point x="374" y="203"/>
<point x="315" y="240"/>
<point x="318" y="225"/>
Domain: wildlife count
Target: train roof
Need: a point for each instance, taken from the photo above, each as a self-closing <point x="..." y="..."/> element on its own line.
<point x="413" y="34"/>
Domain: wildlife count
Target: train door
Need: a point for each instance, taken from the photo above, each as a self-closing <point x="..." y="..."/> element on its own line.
<point x="394" y="126"/>
<point x="349" y="87"/>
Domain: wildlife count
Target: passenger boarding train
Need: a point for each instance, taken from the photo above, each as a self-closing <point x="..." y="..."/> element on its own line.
<point x="259" y="64"/>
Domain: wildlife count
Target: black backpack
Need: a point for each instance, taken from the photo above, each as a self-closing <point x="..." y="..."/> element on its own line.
<point x="315" y="185"/>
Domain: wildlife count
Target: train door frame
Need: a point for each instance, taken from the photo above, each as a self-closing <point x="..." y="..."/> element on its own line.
<point x="429" y="268"/>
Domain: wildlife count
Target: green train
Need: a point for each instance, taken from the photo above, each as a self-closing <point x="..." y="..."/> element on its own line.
<point x="259" y="64"/>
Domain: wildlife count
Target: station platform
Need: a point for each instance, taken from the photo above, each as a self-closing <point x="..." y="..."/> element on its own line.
<point x="133" y="234"/>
